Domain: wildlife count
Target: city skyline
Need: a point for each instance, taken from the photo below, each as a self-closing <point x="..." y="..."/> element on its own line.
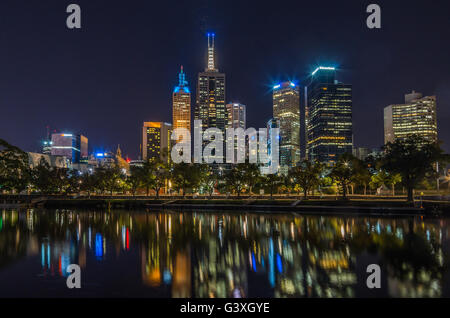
<point x="124" y="95"/>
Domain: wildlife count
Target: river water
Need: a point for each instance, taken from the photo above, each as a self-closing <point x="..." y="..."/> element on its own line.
<point x="220" y="254"/>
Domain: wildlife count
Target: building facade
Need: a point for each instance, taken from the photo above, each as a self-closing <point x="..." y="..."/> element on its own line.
<point x="236" y="119"/>
<point x="417" y="116"/>
<point x="181" y="103"/>
<point x="156" y="141"/>
<point x="73" y="147"/>
<point x="210" y="102"/>
<point x="286" y="111"/>
<point x="328" y="120"/>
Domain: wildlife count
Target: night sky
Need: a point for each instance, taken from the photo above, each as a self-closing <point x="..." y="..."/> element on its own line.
<point x="120" y="68"/>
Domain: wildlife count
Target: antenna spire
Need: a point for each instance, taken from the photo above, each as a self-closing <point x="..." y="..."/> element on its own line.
<point x="211" y="52"/>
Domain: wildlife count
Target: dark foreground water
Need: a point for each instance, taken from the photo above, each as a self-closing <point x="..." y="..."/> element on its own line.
<point x="172" y="254"/>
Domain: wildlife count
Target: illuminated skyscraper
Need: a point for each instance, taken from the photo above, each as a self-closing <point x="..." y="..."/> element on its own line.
<point x="236" y="119"/>
<point x="181" y="98"/>
<point x="156" y="141"/>
<point x="236" y="116"/>
<point x="210" y="104"/>
<point x="328" y="120"/>
<point x="73" y="147"/>
<point x="286" y="111"/>
<point x="417" y="116"/>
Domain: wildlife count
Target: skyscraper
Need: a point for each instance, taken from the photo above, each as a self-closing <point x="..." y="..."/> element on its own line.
<point x="417" y="116"/>
<point x="73" y="147"/>
<point x="181" y="103"/>
<point x="156" y="141"/>
<point x="236" y="119"/>
<point x="328" y="120"/>
<point x="286" y="111"/>
<point x="236" y="115"/>
<point x="210" y="103"/>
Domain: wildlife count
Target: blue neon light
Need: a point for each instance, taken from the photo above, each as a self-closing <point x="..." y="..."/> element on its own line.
<point x="277" y="86"/>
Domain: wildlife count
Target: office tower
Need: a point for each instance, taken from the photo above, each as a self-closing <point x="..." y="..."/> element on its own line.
<point x="361" y="152"/>
<point x="156" y="141"/>
<point x="271" y="125"/>
<point x="73" y="147"/>
<point x="236" y="119"/>
<point x="329" y="130"/>
<point x="236" y="116"/>
<point x="181" y="103"/>
<point x="417" y="116"/>
<point x="210" y="103"/>
<point x="286" y="110"/>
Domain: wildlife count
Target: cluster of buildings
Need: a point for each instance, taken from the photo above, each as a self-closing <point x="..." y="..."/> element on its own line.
<point x="315" y="121"/>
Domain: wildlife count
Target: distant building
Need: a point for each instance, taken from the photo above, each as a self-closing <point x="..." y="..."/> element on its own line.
<point x="73" y="147"/>
<point x="417" y="116"/>
<point x="361" y="152"/>
<point x="181" y="104"/>
<point x="47" y="147"/>
<point x="286" y="110"/>
<point x="156" y="140"/>
<point x="53" y="161"/>
<point x="328" y="121"/>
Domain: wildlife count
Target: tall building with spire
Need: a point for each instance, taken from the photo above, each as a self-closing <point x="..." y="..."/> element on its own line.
<point x="210" y="102"/>
<point x="181" y="103"/>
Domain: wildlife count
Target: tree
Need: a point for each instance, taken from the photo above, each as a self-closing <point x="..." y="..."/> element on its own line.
<point x="15" y="173"/>
<point x="135" y="179"/>
<point x="306" y="175"/>
<point x="110" y="179"/>
<point x="162" y="174"/>
<point x="343" y="172"/>
<point x="235" y="179"/>
<point x="413" y="159"/>
<point x="208" y="179"/>
<point x="185" y="175"/>
<point x="42" y="177"/>
<point x="88" y="183"/>
<point x="272" y="182"/>
<point x="361" y="175"/>
<point x="252" y="175"/>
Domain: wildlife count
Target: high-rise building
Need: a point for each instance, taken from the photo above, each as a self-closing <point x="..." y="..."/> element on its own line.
<point x="181" y="103"/>
<point x="417" y="116"/>
<point x="236" y="116"/>
<point x="156" y="141"/>
<point x="73" y="147"/>
<point x="236" y="119"/>
<point x="286" y="111"/>
<point x="271" y="125"/>
<point x="210" y="103"/>
<point x="328" y="120"/>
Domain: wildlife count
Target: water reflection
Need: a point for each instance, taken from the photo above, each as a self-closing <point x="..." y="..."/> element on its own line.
<point x="176" y="254"/>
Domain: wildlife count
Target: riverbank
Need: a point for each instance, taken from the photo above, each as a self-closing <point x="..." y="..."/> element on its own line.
<point x="314" y="205"/>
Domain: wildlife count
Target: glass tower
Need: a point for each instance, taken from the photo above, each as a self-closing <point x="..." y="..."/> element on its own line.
<point x="328" y="119"/>
<point x="286" y="111"/>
